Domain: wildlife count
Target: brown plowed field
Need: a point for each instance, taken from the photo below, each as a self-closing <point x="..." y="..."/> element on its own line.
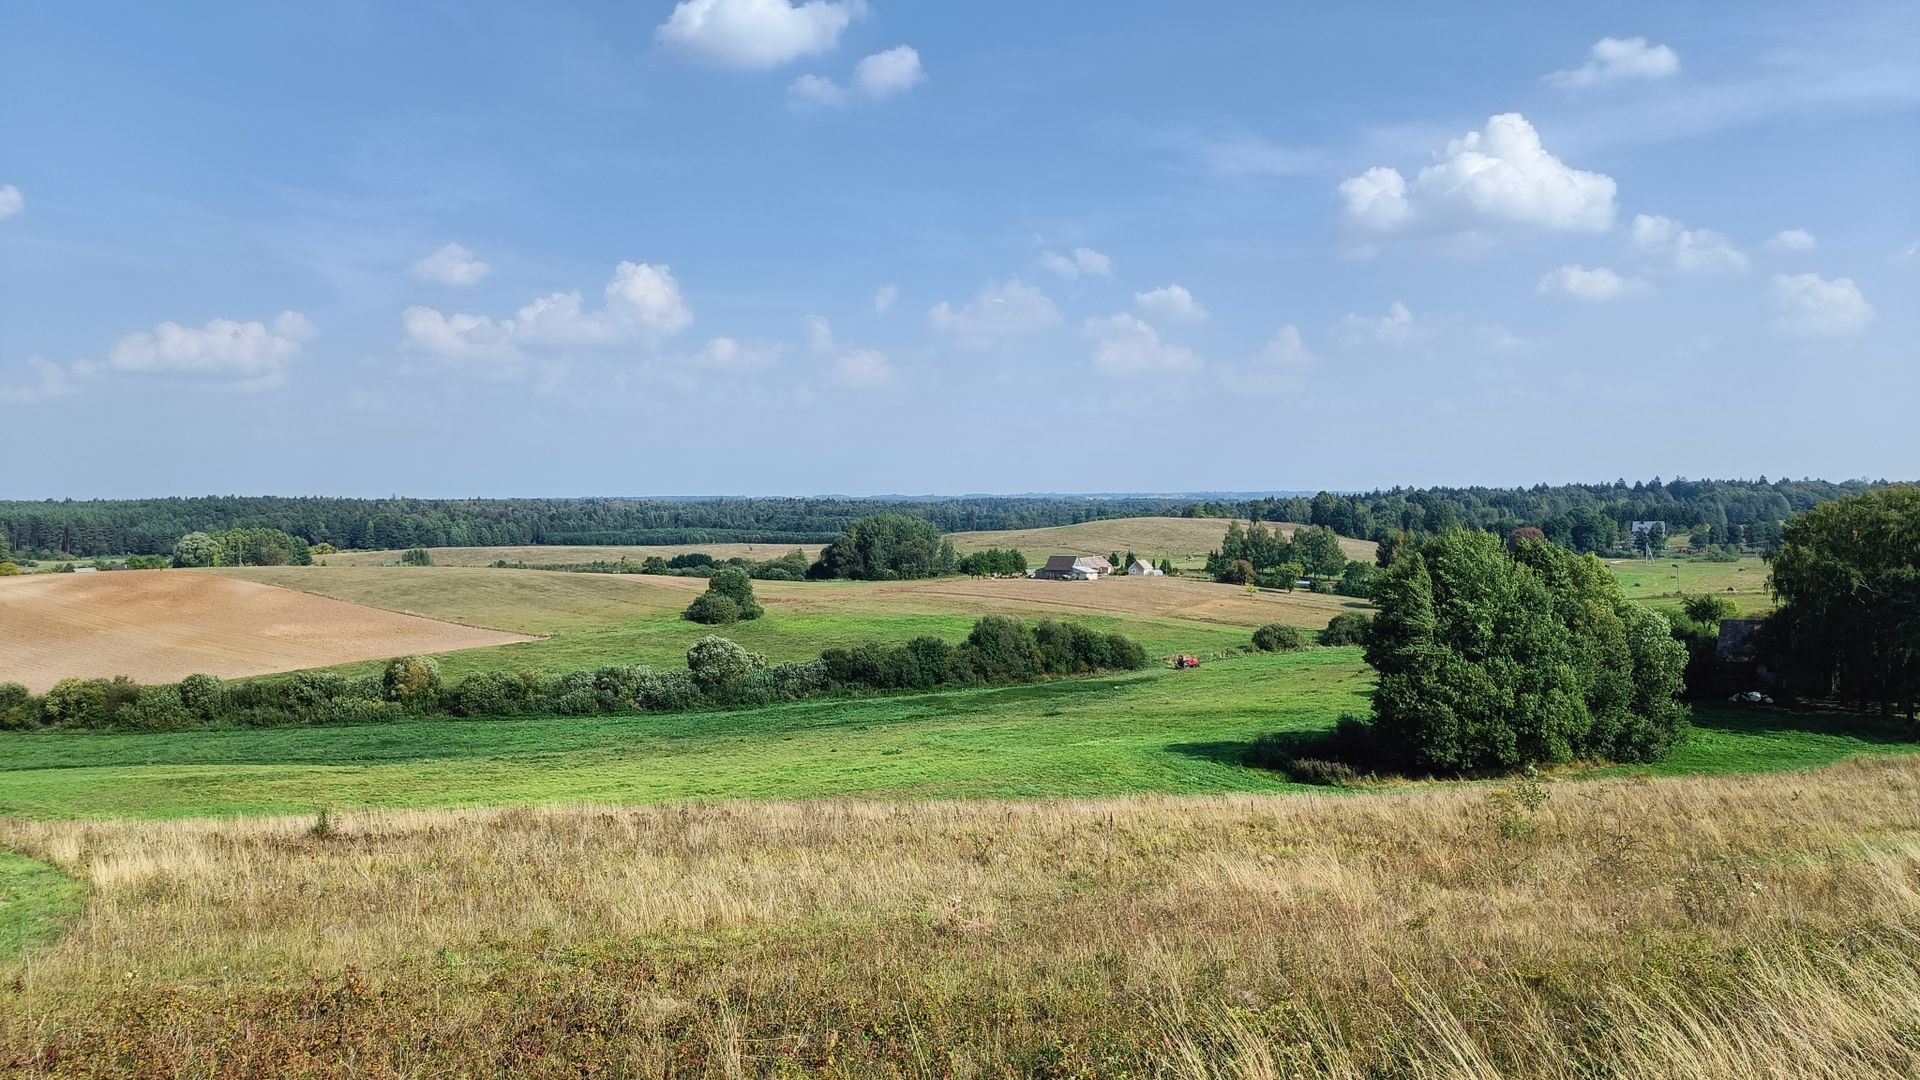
<point x="160" y="625"/>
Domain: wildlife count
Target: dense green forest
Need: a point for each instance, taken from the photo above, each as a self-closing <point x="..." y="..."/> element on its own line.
<point x="1583" y="516"/>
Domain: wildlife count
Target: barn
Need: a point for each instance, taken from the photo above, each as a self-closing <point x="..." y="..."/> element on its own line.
<point x="1074" y="568"/>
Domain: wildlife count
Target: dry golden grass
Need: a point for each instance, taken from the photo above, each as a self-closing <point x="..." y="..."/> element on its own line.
<point x="1743" y="927"/>
<point x="545" y="602"/>
<point x="527" y="601"/>
<point x="1184" y="540"/>
<point x="1158" y="597"/>
<point x="162" y="625"/>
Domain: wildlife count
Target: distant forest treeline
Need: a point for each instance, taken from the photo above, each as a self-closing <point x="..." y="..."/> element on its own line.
<point x="139" y="526"/>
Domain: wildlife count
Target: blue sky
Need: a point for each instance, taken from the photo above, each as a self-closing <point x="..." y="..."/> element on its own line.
<point x="747" y="246"/>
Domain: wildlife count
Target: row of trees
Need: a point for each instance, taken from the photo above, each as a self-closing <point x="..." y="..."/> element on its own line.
<point x="719" y="672"/>
<point x="115" y="527"/>
<point x="1004" y="562"/>
<point x="245" y="547"/>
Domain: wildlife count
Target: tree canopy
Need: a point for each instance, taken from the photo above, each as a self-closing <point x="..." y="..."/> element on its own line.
<point x="1847" y="576"/>
<point x="885" y="547"/>
<point x="1491" y="660"/>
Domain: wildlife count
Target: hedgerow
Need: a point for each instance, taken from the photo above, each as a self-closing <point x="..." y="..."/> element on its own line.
<point x="719" y="673"/>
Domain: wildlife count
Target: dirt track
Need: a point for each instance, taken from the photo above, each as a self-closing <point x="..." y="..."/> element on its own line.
<point x="160" y="625"/>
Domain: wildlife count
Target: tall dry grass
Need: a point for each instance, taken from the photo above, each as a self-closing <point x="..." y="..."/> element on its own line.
<point x="1748" y="927"/>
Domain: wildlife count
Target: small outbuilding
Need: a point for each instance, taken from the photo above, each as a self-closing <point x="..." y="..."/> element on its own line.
<point x="1142" y="568"/>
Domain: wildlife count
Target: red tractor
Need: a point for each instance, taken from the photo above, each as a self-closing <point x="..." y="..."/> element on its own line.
<point x="1185" y="661"/>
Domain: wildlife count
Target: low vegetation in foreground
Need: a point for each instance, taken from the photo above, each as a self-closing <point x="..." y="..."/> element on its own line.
<point x="1750" y="927"/>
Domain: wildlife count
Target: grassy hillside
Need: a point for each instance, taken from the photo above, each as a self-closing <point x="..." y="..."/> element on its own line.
<point x="1734" y="927"/>
<point x="592" y="619"/>
<point x="1661" y="581"/>
<point x="1153" y="731"/>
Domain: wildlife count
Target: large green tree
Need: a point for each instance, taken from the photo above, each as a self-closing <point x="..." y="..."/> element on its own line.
<point x="884" y="547"/>
<point x="1847" y="576"/>
<point x="1490" y="660"/>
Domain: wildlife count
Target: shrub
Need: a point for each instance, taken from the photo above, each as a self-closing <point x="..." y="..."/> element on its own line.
<point x="714" y="661"/>
<point x="729" y="596"/>
<point x="492" y="693"/>
<point x="1125" y="654"/>
<point x="9" y="568"/>
<point x="1279" y="637"/>
<point x="19" y="709"/>
<point x="77" y="703"/>
<point x="1347" y="628"/>
<point x="1001" y="649"/>
<point x="411" y="680"/>
<point x="158" y="710"/>
<point x="1707" y="609"/>
<point x="417" y="556"/>
<point x="712" y="609"/>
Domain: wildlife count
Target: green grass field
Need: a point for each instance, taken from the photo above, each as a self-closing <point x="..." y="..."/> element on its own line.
<point x="1660" y="583"/>
<point x="35" y="902"/>
<point x="1158" y="731"/>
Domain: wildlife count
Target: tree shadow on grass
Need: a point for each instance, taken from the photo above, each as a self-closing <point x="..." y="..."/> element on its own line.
<point x="1228" y="752"/>
<point x="1804" y="720"/>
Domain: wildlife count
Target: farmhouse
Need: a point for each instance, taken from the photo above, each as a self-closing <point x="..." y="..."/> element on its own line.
<point x="1074" y="568"/>
<point x="1142" y="568"/>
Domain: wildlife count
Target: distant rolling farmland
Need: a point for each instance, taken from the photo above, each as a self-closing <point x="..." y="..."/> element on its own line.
<point x="161" y="625"/>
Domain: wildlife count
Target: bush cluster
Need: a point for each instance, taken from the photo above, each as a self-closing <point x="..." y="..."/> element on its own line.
<point x="719" y="672"/>
<point x="1279" y="637"/>
<point x="728" y="599"/>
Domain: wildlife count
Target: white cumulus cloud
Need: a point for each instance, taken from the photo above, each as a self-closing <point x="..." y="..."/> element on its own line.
<point x="251" y="354"/>
<point x="1793" y="240"/>
<point x="1394" y="327"/>
<point x="889" y="72"/>
<point x="1081" y="260"/>
<point x="1000" y="310"/>
<point x="1693" y="251"/>
<point x="641" y="304"/>
<point x="1617" y="60"/>
<point x="11" y="201"/>
<point x="756" y="33"/>
<point x="819" y="333"/>
<point x="44" y="379"/>
<point x="1281" y="366"/>
<point x="883" y="299"/>
<point x="863" y="367"/>
<point x="452" y="265"/>
<point x="729" y="354"/>
<point x="1170" y="302"/>
<point x="815" y="91"/>
<point x="1808" y="305"/>
<point x="1500" y="176"/>
<point x="1598" y="284"/>
<point x="1127" y="345"/>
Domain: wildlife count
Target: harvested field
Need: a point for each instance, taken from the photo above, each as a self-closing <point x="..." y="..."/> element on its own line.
<point x="1186" y="541"/>
<point x="1155" y="597"/>
<point x="160" y="625"/>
